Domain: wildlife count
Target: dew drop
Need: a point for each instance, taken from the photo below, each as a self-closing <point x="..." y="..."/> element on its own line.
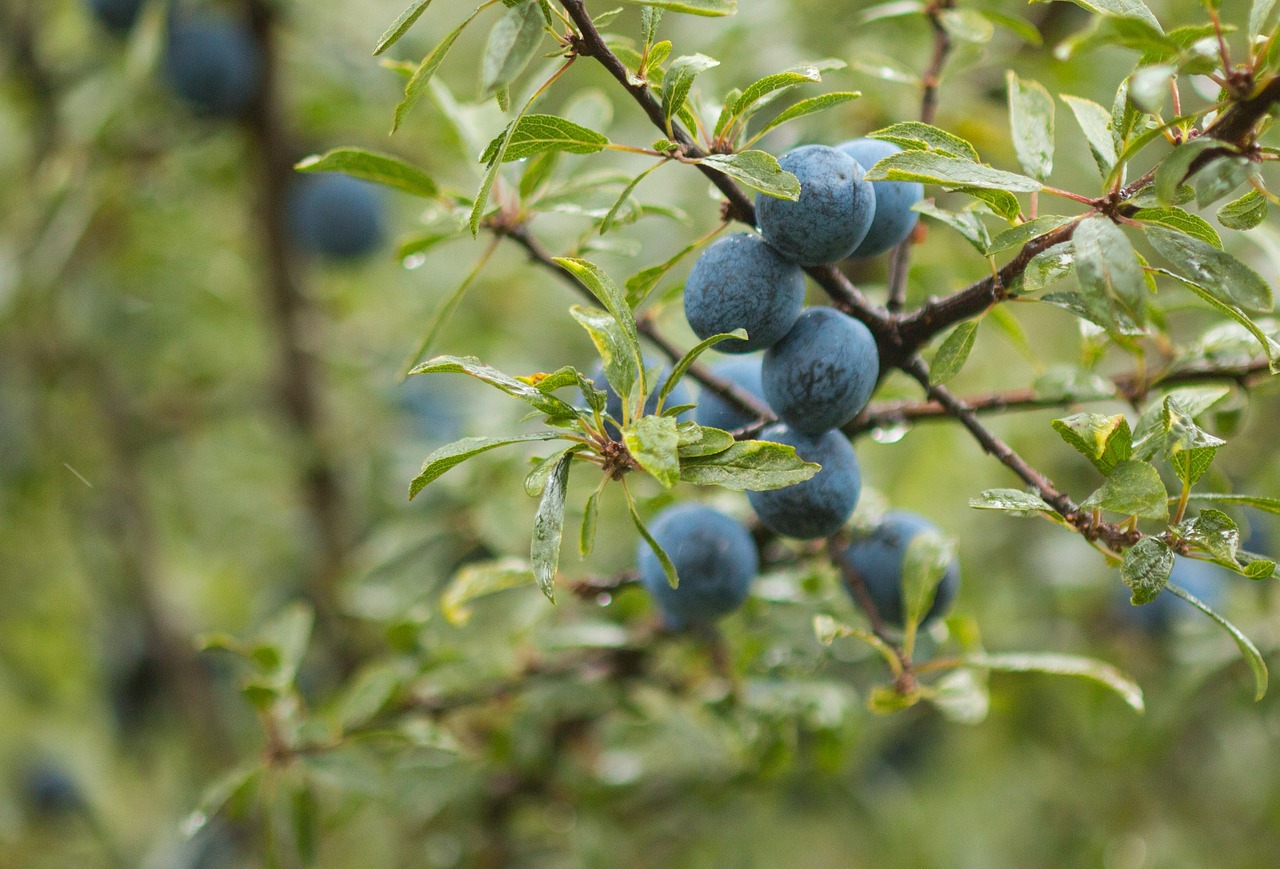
<point x="890" y="434"/>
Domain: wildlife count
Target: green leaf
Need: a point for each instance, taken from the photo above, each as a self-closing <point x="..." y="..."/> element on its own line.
<point x="649" y="18"/>
<point x="668" y="568"/>
<point x="962" y="696"/>
<point x="1107" y="267"/>
<point x="1020" y="27"/>
<point x="925" y="562"/>
<point x="710" y="8"/>
<point x="611" y="216"/>
<point x="1220" y="177"/>
<point x="1213" y="532"/>
<point x="224" y="791"/>
<point x="617" y="353"/>
<point x="652" y="441"/>
<point x="931" y="167"/>
<point x="1120" y="9"/>
<point x="401" y="26"/>
<point x="1012" y="501"/>
<point x="454" y="454"/>
<point x="513" y="42"/>
<point x="1063" y="665"/>
<point x="1173" y="169"/>
<point x="966" y="223"/>
<point x="953" y="353"/>
<point x="808" y="107"/>
<point x="1267" y="505"/>
<point x="1244" y="213"/>
<point x="537" y="134"/>
<point x="372" y="166"/>
<point x="1019" y="235"/>
<point x="587" y="536"/>
<point x="696" y="440"/>
<point x="1189" y="448"/>
<point x="1104" y="440"/>
<point x="473" y="367"/>
<point x="1269" y="346"/>
<point x="1146" y="568"/>
<point x="885" y="68"/>
<point x="603" y="288"/>
<point x="691" y="357"/>
<point x="1150" y="435"/>
<point x="678" y="81"/>
<point x="753" y="466"/>
<point x="1133" y="489"/>
<point x="1172" y="217"/>
<point x="760" y="93"/>
<point x="1095" y="121"/>
<point x="967" y="25"/>
<point x="367" y="694"/>
<point x="1250" y="652"/>
<point x="1259" y="12"/>
<point x="1031" y="118"/>
<point x="282" y="643"/>
<point x="480" y="579"/>
<point x="758" y="170"/>
<point x="642" y="282"/>
<point x="1048" y="267"/>
<point x="548" y="527"/>
<point x="536" y="481"/>
<point x="422" y="75"/>
<point x="919" y="136"/>
<point x="1213" y="270"/>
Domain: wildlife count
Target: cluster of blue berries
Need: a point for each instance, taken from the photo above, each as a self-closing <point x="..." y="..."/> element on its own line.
<point x="817" y="372"/>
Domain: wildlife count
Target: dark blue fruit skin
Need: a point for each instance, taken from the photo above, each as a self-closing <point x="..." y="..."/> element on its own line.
<point x="713" y="411"/>
<point x="741" y="283"/>
<point x="821" y="505"/>
<point x="832" y="215"/>
<point x="1205" y="581"/>
<point x="823" y="372"/>
<point x="116" y="15"/>
<point x="214" y="65"/>
<point x="50" y="790"/>
<point x="714" y="556"/>
<point x="877" y="558"/>
<point x="337" y="216"/>
<point x="894" y="218"/>
<point x="613" y="406"/>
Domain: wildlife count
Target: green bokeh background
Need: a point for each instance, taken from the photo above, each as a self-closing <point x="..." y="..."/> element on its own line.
<point x="147" y="470"/>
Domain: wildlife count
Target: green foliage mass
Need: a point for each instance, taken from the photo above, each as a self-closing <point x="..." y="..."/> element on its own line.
<point x="227" y="638"/>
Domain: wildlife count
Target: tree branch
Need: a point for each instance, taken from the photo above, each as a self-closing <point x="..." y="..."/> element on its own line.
<point x="300" y="377"/>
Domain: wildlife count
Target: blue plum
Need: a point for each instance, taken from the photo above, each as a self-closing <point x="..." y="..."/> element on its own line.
<point x="741" y="283"/>
<point x="823" y="372"/>
<point x="714" y="556"/>
<point x="894" y="218"/>
<point x="679" y="393"/>
<point x="336" y="216"/>
<point x="213" y="64"/>
<point x="1204" y="580"/>
<point x="878" y="557"/>
<point x="832" y="215"/>
<point x="820" y="505"/>
<point x="714" y="411"/>
<point x="50" y="789"/>
<point x="116" y="15"/>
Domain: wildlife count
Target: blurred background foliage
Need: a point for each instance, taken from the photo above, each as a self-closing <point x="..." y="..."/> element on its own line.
<point x="150" y="494"/>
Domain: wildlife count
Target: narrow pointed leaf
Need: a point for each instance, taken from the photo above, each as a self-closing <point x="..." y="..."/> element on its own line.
<point x="1247" y="649"/>
<point x="1064" y="665"/>
<point x="548" y="528"/>
<point x="454" y="454"/>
